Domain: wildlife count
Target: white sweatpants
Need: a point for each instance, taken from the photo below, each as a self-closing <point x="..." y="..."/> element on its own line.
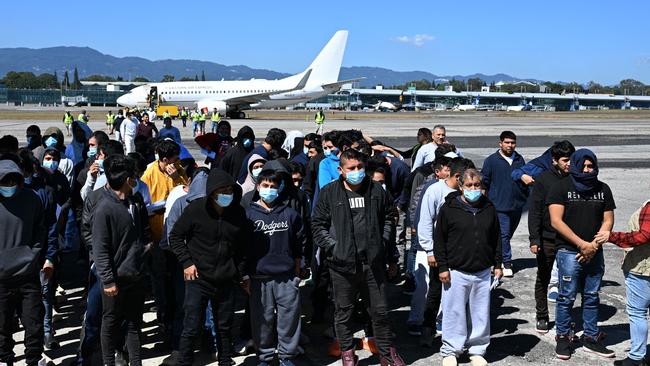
<point x="129" y="144"/>
<point x="465" y="289"/>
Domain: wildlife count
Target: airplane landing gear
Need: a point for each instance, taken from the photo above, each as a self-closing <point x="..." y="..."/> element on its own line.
<point x="236" y="114"/>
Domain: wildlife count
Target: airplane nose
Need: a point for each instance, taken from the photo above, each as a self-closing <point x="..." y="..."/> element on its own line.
<point x="125" y="100"/>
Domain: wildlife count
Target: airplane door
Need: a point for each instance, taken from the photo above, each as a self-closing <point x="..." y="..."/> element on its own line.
<point x="153" y="97"/>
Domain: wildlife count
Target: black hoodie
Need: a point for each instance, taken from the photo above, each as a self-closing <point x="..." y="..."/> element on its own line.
<point x="234" y="157"/>
<point x="119" y="233"/>
<point x="213" y="243"/>
<point x="467" y="238"/>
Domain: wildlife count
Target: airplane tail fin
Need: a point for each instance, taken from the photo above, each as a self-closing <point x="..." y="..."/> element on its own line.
<point x="326" y="66"/>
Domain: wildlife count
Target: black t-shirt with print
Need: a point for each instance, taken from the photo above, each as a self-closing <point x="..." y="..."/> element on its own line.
<point x="582" y="213"/>
<point x="358" y="210"/>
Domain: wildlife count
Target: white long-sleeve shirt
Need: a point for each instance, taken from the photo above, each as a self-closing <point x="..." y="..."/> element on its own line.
<point x="129" y="128"/>
<point x="433" y="199"/>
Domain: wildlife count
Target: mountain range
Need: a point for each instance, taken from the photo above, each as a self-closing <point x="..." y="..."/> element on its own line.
<point x="89" y="61"/>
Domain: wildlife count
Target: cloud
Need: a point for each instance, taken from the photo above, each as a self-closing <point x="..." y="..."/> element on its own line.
<point x="417" y="40"/>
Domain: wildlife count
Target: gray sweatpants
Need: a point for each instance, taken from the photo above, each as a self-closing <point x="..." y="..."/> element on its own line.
<point x="275" y="306"/>
<point x="468" y="295"/>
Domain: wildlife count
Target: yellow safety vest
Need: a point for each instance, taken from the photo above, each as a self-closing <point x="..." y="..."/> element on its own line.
<point x="202" y="117"/>
<point x="216" y="117"/>
<point x="184" y="113"/>
<point x="166" y="114"/>
<point x="110" y="118"/>
<point x="68" y="119"/>
<point x="81" y="117"/>
<point x="195" y="117"/>
<point x="320" y="118"/>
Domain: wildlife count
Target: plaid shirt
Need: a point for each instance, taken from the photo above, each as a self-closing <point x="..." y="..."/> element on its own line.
<point x="634" y="238"/>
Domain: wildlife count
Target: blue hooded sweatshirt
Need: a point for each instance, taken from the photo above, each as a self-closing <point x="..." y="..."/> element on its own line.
<point x="278" y="240"/>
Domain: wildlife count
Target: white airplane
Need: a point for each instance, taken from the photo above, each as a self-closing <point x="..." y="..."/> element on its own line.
<point x="233" y="97"/>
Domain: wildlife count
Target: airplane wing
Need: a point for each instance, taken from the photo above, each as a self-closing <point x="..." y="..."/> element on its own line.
<point x="255" y="98"/>
<point x="340" y="83"/>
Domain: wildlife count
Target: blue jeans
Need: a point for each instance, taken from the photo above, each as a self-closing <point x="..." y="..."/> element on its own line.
<point x="214" y="127"/>
<point x="508" y="222"/>
<point x="574" y="276"/>
<point x="90" y="330"/>
<point x="637" y="289"/>
<point x="48" y="290"/>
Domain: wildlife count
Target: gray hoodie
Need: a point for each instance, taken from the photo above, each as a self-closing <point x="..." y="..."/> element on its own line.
<point x="22" y="230"/>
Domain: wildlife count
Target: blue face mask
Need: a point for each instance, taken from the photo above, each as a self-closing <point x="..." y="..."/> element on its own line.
<point x="472" y="195"/>
<point x="355" y="177"/>
<point x="92" y="151"/>
<point x="28" y="180"/>
<point x="51" y="141"/>
<point x="51" y="164"/>
<point x="247" y="143"/>
<point x="7" y="192"/>
<point x="210" y="154"/>
<point x="224" y="200"/>
<point x="29" y="140"/>
<point x="256" y="172"/>
<point x="100" y="164"/>
<point x="269" y="194"/>
<point x="305" y="150"/>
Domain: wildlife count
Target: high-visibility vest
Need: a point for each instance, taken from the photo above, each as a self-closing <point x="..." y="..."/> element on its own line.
<point x="320" y="118"/>
<point x="202" y="117"/>
<point x="166" y="114"/>
<point x="68" y="119"/>
<point x="215" y="117"/>
<point x="184" y="113"/>
<point x="195" y="116"/>
<point x="110" y="118"/>
<point x="81" y="117"/>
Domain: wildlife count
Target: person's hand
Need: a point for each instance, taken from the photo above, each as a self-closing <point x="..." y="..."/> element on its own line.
<point x="432" y="261"/>
<point x="172" y="171"/>
<point x="413" y="231"/>
<point x="498" y="273"/>
<point x="527" y="179"/>
<point x="392" y="270"/>
<point x="534" y="248"/>
<point x="246" y="285"/>
<point x="48" y="269"/>
<point x="602" y="237"/>
<point x="111" y="291"/>
<point x="190" y="273"/>
<point x="94" y="169"/>
<point x="587" y="251"/>
<point x="445" y="277"/>
<point x="379" y="148"/>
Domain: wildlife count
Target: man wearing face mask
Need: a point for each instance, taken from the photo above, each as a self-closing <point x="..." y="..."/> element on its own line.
<point x="208" y="241"/>
<point x="467" y="246"/>
<point x="120" y="231"/>
<point x="22" y="245"/>
<point x="581" y="208"/>
<point x="244" y="143"/>
<point x="161" y="177"/>
<point x="95" y="177"/>
<point x="274" y="260"/>
<point x="354" y="225"/>
<point x="328" y="170"/>
<point x="273" y="141"/>
<point x="541" y="233"/>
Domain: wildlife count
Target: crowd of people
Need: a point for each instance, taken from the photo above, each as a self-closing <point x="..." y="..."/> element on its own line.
<point x="256" y="219"/>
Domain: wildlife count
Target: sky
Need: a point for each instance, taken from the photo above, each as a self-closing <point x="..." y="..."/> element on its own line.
<point x="550" y="40"/>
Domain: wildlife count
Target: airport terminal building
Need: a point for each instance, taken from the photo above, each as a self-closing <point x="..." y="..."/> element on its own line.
<point x="349" y="97"/>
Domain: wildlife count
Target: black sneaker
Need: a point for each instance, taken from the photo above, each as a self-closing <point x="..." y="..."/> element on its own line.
<point x="415" y="330"/>
<point x="49" y="342"/>
<point x="596" y="346"/>
<point x="630" y="362"/>
<point x="542" y="326"/>
<point x="563" y="347"/>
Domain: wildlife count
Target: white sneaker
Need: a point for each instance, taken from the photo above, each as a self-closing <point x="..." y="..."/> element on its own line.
<point x="552" y="294"/>
<point x="450" y="361"/>
<point x="478" y="360"/>
<point x="507" y="270"/>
